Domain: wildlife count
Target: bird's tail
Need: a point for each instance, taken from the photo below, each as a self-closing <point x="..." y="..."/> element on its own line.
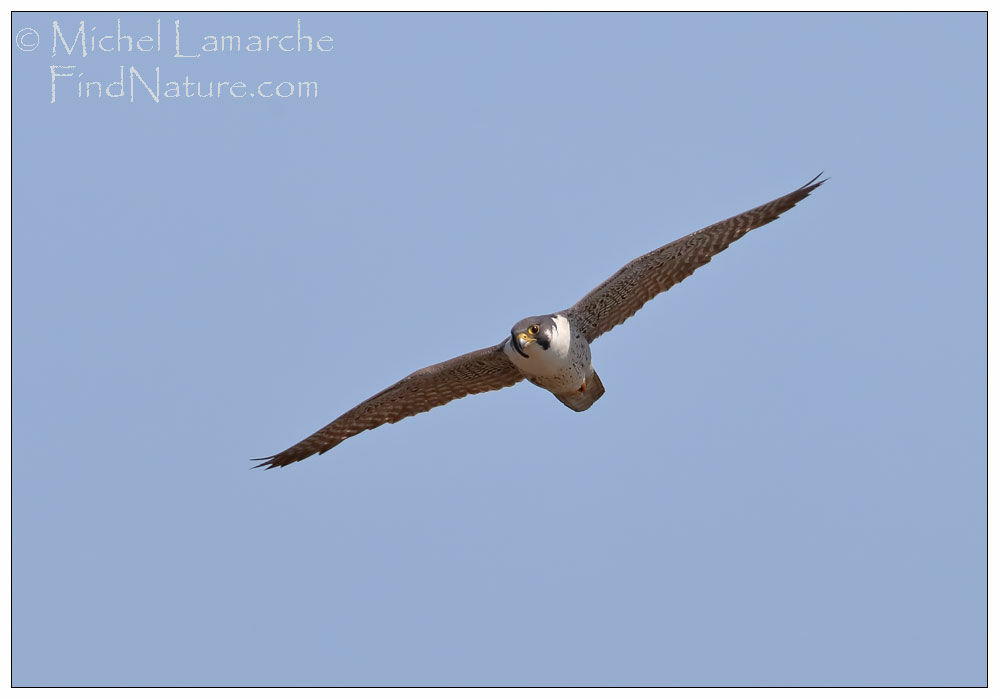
<point x="585" y="397"/>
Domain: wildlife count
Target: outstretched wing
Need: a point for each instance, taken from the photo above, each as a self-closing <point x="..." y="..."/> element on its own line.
<point x="632" y="286"/>
<point x="484" y="370"/>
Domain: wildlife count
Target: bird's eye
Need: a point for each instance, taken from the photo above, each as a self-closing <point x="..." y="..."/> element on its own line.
<point x="534" y="329"/>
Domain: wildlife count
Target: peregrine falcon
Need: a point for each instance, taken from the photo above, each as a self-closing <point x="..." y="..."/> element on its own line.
<point x="551" y="351"/>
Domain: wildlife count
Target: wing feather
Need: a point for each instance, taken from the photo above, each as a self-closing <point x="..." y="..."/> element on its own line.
<point x="486" y="369"/>
<point x="632" y="286"/>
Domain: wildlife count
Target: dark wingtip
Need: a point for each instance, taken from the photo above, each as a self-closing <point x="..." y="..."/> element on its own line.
<point x="268" y="461"/>
<point x="812" y="184"/>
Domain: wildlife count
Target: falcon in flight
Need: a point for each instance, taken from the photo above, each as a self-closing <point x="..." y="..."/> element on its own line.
<point x="551" y="351"/>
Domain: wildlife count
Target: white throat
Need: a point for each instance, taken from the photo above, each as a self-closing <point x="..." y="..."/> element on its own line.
<point x="560" y="340"/>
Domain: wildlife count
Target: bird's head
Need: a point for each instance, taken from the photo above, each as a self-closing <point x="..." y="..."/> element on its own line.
<point x="532" y="332"/>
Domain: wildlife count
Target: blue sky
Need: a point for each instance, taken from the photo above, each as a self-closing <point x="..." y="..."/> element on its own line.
<point x="784" y="483"/>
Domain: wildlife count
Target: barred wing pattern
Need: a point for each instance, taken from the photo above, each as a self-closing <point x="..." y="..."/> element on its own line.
<point x="476" y="372"/>
<point x="632" y="286"/>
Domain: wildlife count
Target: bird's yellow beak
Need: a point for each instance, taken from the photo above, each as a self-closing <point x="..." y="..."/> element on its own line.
<point x="519" y="341"/>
